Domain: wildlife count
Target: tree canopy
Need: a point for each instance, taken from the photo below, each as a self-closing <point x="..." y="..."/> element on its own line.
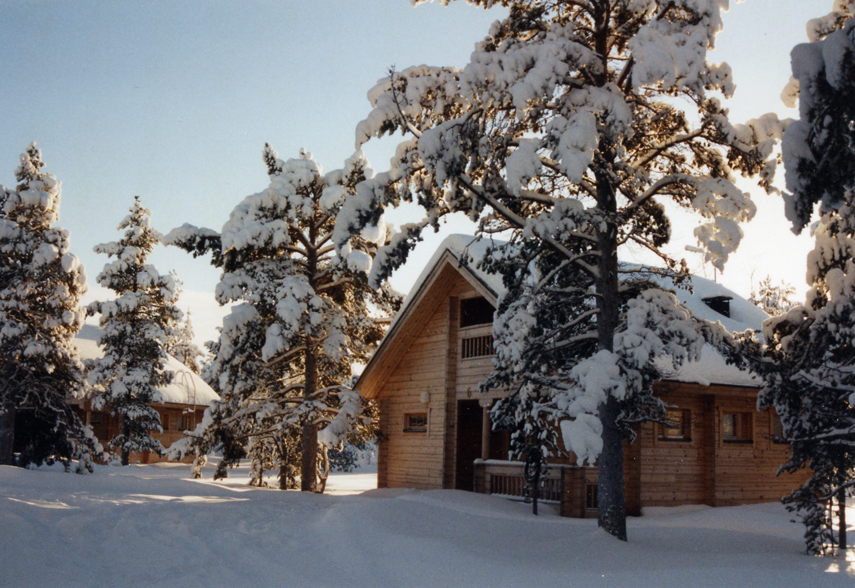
<point x="135" y="329"/>
<point x="304" y="314"/>
<point x="41" y="283"/>
<point x="809" y="363"/>
<point x="573" y="129"/>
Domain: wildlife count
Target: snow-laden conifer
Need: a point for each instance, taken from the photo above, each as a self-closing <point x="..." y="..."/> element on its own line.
<point x="302" y="317"/>
<point x="41" y="282"/>
<point x="571" y="128"/>
<point x="179" y="343"/>
<point x="811" y="380"/>
<point x="773" y="299"/>
<point x="135" y="328"/>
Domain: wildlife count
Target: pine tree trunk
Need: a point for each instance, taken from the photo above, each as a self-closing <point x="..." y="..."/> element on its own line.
<point x="7" y="437"/>
<point x="126" y="432"/>
<point x="611" y="492"/>
<point x="841" y="519"/>
<point x="611" y="495"/>
<point x="309" y="463"/>
<point x="309" y="440"/>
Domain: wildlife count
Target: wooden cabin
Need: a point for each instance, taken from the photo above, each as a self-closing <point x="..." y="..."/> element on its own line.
<point x="437" y="433"/>
<point x="184" y="401"/>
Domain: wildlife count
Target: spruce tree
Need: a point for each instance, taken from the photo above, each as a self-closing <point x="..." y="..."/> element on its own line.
<point x="179" y="344"/>
<point x="810" y="379"/>
<point x="772" y="299"/>
<point x="40" y="287"/>
<point x="571" y="128"/>
<point x="303" y="315"/>
<point x="135" y="328"/>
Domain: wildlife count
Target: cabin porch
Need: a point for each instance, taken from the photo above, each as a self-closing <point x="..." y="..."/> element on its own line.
<point x="573" y="488"/>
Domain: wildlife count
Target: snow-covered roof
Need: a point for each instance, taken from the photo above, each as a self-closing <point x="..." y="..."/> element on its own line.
<point x="710" y="369"/>
<point x="186" y="387"/>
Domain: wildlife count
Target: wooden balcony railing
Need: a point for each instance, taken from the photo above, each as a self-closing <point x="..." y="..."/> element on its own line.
<point x="476" y="347"/>
<point x="574" y="488"/>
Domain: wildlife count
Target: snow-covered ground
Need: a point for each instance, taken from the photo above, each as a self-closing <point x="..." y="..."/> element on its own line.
<point x="148" y="526"/>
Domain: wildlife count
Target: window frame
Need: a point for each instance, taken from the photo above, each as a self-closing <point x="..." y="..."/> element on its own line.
<point x="743" y="427"/>
<point x="667" y="433"/>
<point x="774" y="418"/>
<point x="409" y="427"/>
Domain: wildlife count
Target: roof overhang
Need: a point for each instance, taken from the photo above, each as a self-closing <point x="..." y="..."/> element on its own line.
<point x="422" y="302"/>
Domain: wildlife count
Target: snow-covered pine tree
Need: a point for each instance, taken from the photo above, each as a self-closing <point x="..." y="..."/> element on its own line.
<point x="570" y="128"/>
<point x="302" y="316"/>
<point x="136" y="326"/>
<point x="774" y="300"/>
<point x="40" y="287"/>
<point x="811" y="381"/>
<point x="179" y="344"/>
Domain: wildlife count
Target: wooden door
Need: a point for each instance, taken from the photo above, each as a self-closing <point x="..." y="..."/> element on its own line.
<point x="468" y="443"/>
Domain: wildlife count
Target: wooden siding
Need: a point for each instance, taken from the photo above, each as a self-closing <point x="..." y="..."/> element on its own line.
<point x="410" y="459"/>
<point x="449" y="446"/>
<point x="170" y="417"/>
<point x="707" y="469"/>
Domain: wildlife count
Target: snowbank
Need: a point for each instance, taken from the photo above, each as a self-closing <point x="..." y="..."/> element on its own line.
<point x="150" y="526"/>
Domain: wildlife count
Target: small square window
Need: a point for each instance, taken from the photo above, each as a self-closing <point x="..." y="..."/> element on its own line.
<point x="95" y="418"/>
<point x="736" y="427"/>
<point x="679" y="425"/>
<point x="415" y="423"/>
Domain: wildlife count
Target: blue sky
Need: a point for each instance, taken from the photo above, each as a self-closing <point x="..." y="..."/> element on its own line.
<point x="173" y="101"/>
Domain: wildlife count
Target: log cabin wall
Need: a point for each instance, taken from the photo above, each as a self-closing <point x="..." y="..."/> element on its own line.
<point x="718" y="464"/>
<point x="745" y="469"/>
<point x="469" y="366"/>
<point x="449" y="459"/>
<point x="410" y="457"/>
<point x="671" y="470"/>
<point x="429" y="361"/>
<point x="174" y="418"/>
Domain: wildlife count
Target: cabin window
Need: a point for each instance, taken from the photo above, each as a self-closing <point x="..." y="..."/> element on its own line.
<point x="720" y="304"/>
<point x="95" y="418"/>
<point x="736" y="427"/>
<point x="476" y="347"/>
<point x="677" y="425"/>
<point x="182" y="424"/>
<point x="591" y="498"/>
<point x="415" y="423"/>
<point x="164" y="421"/>
<point x="476" y="311"/>
<point x="777" y="429"/>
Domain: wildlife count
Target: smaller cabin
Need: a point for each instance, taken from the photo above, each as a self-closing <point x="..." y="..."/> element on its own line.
<point x="183" y="406"/>
<point x="425" y="377"/>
